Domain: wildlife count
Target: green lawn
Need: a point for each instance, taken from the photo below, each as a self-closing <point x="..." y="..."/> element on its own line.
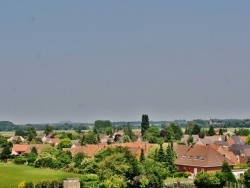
<point x="11" y="175"/>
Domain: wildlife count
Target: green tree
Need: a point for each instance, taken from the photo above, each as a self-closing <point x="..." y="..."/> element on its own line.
<point x="155" y="172"/>
<point x="31" y="133"/>
<point x="128" y="131"/>
<point x="5" y="153"/>
<point x="211" y="131"/>
<point x="90" y="138"/>
<point x="190" y="140"/>
<point x="20" y="132"/>
<point x="170" y="135"/>
<point x="246" y="178"/>
<point x="192" y="128"/>
<point x="205" y="180"/>
<point x="116" y="161"/>
<point x="176" y="130"/>
<point x="220" y="131"/>
<point x="161" y="155"/>
<point x="65" y="143"/>
<point x="142" y="156"/>
<point x="170" y="158"/>
<point x="48" y="129"/>
<point x="226" y="174"/>
<point x="78" y="159"/>
<point x="126" y="138"/>
<point x="144" y="124"/>
<point x="152" y="135"/>
<point x="103" y="126"/>
<point x="3" y="141"/>
<point x="115" y="181"/>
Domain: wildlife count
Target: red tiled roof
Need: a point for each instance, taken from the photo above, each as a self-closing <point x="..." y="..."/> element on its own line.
<point x="202" y="156"/>
<point x="20" y="147"/>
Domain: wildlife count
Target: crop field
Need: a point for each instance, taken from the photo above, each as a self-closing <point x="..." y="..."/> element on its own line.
<point x="11" y="175"/>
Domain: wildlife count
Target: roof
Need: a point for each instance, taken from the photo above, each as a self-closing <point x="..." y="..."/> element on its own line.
<point x="89" y="150"/>
<point x="142" y="145"/>
<point x="226" y="152"/>
<point x="247" y="151"/>
<point x="216" y="138"/>
<point x="180" y="149"/>
<point x="204" y="141"/>
<point x="202" y="156"/>
<point x="221" y="143"/>
<point x="237" y="140"/>
<point x="39" y="147"/>
<point x="185" y="137"/>
<point x="236" y="148"/>
<point x="20" y="147"/>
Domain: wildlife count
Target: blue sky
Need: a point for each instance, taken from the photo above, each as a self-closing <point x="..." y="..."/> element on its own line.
<point x="116" y="60"/>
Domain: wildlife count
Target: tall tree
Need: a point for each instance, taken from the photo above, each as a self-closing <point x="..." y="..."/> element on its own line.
<point x="5" y="153"/>
<point x="170" y="158"/>
<point x="48" y="129"/>
<point x="142" y="156"/>
<point x="246" y="179"/>
<point x="211" y="131"/>
<point x="144" y="123"/>
<point x="103" y="126"/>
<point x="226" y="174"/>
<point x="161" y="155"/>
<point x="31" y="133"/>
<point x="177" y="131"/>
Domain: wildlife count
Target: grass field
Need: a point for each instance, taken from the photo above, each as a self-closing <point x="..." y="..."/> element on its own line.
<point x="11" y="175"/>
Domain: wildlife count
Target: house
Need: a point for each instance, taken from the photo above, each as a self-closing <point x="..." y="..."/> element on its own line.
<point x="89" y="150"/>
<point x="204" y="141"/>
<point x="39" y="147"/>
<point x="16" y="139"/>
<point x="19" y="149"/>
<point x="75" y="143"/>
<point x="242" y="152"/>
<point x="234" y="139"/>
<point x="226" y="153"/>
<point x="134" y="147"/>
<point x="212" y="140"/>
<point x="201" y="159"/>
<point x="103" y="138"/>
<point x="221" y="143"/>
<point x="52" y="141"/>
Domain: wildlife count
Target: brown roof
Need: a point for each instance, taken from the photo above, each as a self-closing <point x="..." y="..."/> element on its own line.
<point x="89" y="150"/>
<point x="180" y="149"/>
<point x="39" y="147"/>
<point x="136" y="132"/>
<point x="202" y="156"/>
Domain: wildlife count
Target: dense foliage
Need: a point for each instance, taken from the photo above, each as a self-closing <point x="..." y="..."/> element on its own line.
<point x="103" y="126"/>
<point x="144" y="124"/>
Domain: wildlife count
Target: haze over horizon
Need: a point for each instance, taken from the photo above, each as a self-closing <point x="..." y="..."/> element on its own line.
<point x="87" y="60"/>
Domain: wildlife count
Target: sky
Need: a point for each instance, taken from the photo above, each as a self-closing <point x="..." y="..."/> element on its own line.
<point x="83" y="61"/>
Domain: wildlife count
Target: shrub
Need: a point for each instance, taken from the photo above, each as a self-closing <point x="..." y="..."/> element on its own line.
<point x="20" y="160"/>
<point x="181" y="174"/>
<point x="56" y="184"/>
<point x="29" y="184"/>
<point x="43" y="184"/>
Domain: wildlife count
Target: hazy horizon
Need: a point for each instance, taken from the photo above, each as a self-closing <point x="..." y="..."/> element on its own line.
<point x="116" y="60"/>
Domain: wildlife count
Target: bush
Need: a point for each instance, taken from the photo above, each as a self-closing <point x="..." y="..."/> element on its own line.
<point x="56" y="184"/>
<point x="29" y="184"/>
<point x="20" y="160"/>
<point x="89" y="180"/>
<point x="181" y="174"/>
<point x="43" y="184"/>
